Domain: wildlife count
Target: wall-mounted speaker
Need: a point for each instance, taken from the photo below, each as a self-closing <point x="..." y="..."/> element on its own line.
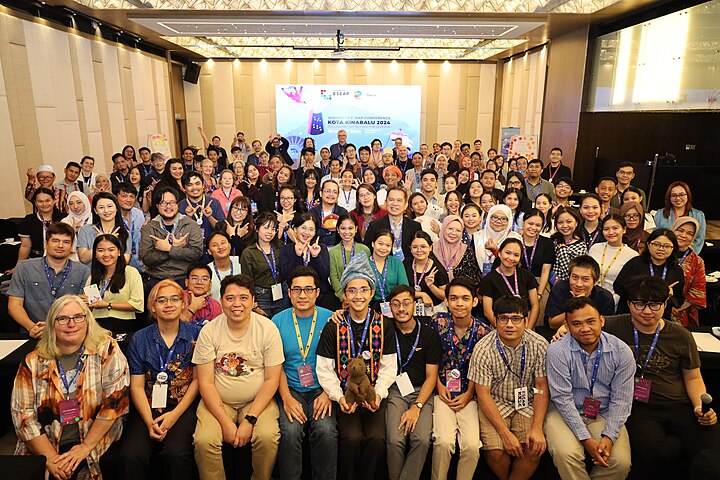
<point x="192" y="73"/>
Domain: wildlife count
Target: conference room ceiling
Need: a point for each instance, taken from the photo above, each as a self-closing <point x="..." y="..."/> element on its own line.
<point x="371" y="29"/>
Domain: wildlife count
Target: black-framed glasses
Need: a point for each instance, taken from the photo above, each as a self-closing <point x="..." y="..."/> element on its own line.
<point x="515" y="319"/>
<point x="306" y="290"/>
<point x="77" y="318"/>
<point x="640" y="305"/>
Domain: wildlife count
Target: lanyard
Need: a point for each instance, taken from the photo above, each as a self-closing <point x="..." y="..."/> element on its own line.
<point x="652" y="270"/>
<point x="685" y="255"/>
<point x="590" y="241"/>
<point x="596" y="367"/>
<point x="416" y="280"/>
<point x="507" y="363"/>
<point x="470" y="345"/>
<point x="227" y="195"/>
<point x="305" y="350"/>
<point x="65" y="272"/>
<point x="342" y="252"/>
<point x="381" y="277"/>
<point x="198" y="213"/>
<point x="146" y="170"/>
<point x="412" y="350"/>
<point x="465" y="237"/>
<point x="347" y="197"/>
<point x="131" y="228"/>
<point x="533" y="194"/>
<point x="104" y="286"/>
<point x="355" y="349"/>
<point x="516" y="292"/>
<point x="232" y="269"/>
<point x="171" y="229"/>
<point x="397" y="235"/>
<point x="272" y="265"/>
<point x="602" y="261"/>
<point x="367" y="223"/>
<point x="552" y="175"/>
<point x="650" y="352"/>
<point x="165" y="363"/>
<point x="529" y="261"/>
<point x="63" y="375"/>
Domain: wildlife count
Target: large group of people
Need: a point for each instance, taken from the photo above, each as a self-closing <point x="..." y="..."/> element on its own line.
<point x="259" y="287"/>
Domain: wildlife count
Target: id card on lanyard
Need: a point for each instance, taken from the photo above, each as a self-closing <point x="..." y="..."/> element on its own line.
<point x="305" y="374"/>
<point x="69" y="408"/>
<point x="591" y="406"/>
<point x="276" y="289"/>
<point x="402" y="380"/>
<point x="452" y="378"/>
<point x="642" y="385"/>
<point x="160" y="389"/>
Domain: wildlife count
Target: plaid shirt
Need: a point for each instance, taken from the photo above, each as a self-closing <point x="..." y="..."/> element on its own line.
<point x="488" y="369"/>
<point x="102" y="388"/>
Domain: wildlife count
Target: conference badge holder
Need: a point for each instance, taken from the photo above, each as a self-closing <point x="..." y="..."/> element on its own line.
<point x="521" y="398"/>
<point x="404" y="384"/>
<point x="385" y="309"/>
<point x="641" y="390"/>
<point x="305" y="375"/>
<point x="590" y="408"/>
<point x="486" y="268"/>
<point x="277" y="293"/>
<point x="160" y="391"/>
<point x="69" y="411"/>
<point x="453" y="381"/>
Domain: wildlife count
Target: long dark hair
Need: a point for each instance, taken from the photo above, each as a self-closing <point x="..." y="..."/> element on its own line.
<point x="264" y="218"/>
<point x="248" y="220"/>
<point x="122" y="231"/>
<point x="572" y="212"/>
<point x="519" y="176"/>
<point x="97" y="269"/>
<point x="668" y="204"/>
<point x="358" y="207"/>
<point x="304" y="189"/>
<point x="519" y="194"/>
<point x="57" y="215"/>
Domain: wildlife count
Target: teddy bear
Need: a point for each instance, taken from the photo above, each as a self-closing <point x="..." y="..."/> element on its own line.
<point x="358" y="388"/>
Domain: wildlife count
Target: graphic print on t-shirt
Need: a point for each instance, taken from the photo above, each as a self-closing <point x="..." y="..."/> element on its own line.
<point x="233" y="365"/>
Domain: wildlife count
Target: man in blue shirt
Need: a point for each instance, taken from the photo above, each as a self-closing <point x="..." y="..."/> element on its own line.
<point x="201" y="208"/>
<point x="302" y="400"/>
<point x="590" y="375"/>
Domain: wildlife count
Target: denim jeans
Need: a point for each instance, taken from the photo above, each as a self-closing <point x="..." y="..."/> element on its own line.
<point x="323" y="440"/>
<point x="264" y="300"/>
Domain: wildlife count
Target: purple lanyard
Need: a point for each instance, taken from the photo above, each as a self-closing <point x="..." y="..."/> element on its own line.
<point x="65" y="272"/>
<point x="232" y="270"/>
<point x="104" y="284"/>
<point x="381" y="277"/>
<point x="590" y="241"/>
<point x="507" y="363"/>
<point x="529" y="262"/>
<point x="342" y="251"/>
<point x="516" y="292"/>
<point x="650" y="351"/>
<point x="685" y="255"/>
<point x="402" y="364"/>
<point x="417" y="281"/>
<point x="63" y="375"/>
<point x="652" y="270"/>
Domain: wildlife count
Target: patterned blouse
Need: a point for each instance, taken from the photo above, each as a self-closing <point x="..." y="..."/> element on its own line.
<point x="468" y="266"/>
<point x="694" y="269"/>
<point x="102" y="389"/>
<point x="563" y="254"/>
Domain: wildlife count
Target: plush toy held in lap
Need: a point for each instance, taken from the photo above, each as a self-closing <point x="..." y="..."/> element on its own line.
<point x="359" y="388"/>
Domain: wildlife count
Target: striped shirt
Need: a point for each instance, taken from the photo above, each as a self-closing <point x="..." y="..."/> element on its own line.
<point x="487" y="368"/>
<point x="569" y="370"/>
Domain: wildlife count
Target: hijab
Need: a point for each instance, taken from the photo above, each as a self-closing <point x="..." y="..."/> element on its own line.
<point x="683" y="221"/>
<point x="84" y="217"/>
<point x="449" y="254"/>
<point x="635" y="235"/>
<point x="487" y="233"/>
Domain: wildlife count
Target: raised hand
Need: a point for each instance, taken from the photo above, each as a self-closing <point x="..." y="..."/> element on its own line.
<point x="315" y="248"/>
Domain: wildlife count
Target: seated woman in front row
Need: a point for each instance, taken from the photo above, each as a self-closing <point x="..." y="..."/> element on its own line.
<point x="71" y="392"/>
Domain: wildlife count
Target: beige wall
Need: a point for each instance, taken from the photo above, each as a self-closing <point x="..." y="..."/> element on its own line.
<point x="523" y="87"/>
<point x="457" y="98"/>
<point x="63" y="96"/>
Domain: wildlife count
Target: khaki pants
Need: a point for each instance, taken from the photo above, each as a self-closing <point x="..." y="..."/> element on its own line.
<point x="569" y="454"/>
<point x="208" y="441"/>
<point x="449" y="425"/>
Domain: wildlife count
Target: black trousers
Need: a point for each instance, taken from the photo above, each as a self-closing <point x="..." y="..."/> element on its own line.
<point x="361" y="445"/>
<point x="174" y="455"/>
<point x="665" y="439"/>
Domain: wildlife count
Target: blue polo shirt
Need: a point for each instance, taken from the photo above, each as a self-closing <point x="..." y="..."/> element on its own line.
<point x="147" y="351"/>
<point x="293" y="359"/>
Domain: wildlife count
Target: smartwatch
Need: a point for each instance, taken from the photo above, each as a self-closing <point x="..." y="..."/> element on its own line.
<point x="252" y="419"/>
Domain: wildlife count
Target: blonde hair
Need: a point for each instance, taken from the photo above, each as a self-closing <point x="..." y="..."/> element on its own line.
<point x="152" y="296"/>
<point x="94" y="338"/>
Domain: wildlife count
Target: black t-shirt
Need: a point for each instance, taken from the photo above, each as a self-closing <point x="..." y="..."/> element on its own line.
<point x="327" y="347"/>
<point x="557" y="173"/>
<point x="545" y="255"/>
<point x="32" y="227"/>
<point x="493" y="286"/>
<point x="428" y="351"/>
<point x="441" y="277"/>
<point x="675" y="351"/>
<point x="641" y="266"/>
<point x="560" y="293"/>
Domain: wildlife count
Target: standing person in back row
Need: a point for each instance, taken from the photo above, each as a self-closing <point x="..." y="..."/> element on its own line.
<point x="555" y="170"/>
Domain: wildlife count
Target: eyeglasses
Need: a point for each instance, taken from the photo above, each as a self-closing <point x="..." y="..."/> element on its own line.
<point x="514" y="183"/>
<point x="354" y="291"/>
<point x="398" y="304"/>
<point x="45" y="177"/>
<point x="678" y="195"/>
<point x="171" y="203"/>
<point x="298" y="290"/>
<point x="78" y="318"/>
<point x="662" y="246"/>
<point x="515" y="319"/>
<point x="497" y="219"/>
<point x="625" y="172"/>
<point x="195" y="279"/>
<point x="640" y="305"/>
<point x="238" y="208"/>
<point x="164" y="300"/>
<point x="632" y="216"/>
<point x="335" y="192"/>
<point x="287" y="199"/>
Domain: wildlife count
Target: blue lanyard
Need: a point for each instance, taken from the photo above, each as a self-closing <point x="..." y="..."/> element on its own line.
<point x="347" y="198"/>
<point x="596" y="367"/>
<point x="232" y="269"/>
<point x="63" y="375"/>
<point x="165" y="363"/>
<point x="650" y="352"/>
<point x="685" y="255"/>
<point x="505" y="360"/>
<point x="131" y="228"/>
<point x="465" y="237"/>
<point x="412" y="350"/>
<point x="470" y="345"/>
<point x="342" y="251"/>
<point x="530" y="189"/>
<point x="146" y="170"/>
<point x="355" y="350"/>
<point x="382" y="278"/>
<point x="529" y="261"/>
<point x="272" y="265"/>
<point x="65" y="272"/>
<point x="103" y="287"/>
<point x="652" y="270"/>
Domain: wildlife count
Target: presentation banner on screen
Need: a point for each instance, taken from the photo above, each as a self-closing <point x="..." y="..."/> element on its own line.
<point x="364" y="111"/>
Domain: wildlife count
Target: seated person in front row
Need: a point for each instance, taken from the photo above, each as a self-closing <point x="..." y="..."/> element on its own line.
<point x="667" y="427"/>
<point x="239" y="359"/>
<point x="38" y="282"/>
<point x="508" y="369"/>
<point x="73" y="419"/>
<point x="584" y="274"/>
<point x="164" y="390"/>
<point x="302" y="402"/>
<point x="590" y="374"/>
<point x="367" y="334"/>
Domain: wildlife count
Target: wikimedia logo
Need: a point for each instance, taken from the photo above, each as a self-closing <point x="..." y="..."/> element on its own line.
<point x="325" y="94"/>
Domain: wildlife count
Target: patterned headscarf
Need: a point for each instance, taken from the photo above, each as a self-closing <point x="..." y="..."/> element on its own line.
<point x="358" y="267"/>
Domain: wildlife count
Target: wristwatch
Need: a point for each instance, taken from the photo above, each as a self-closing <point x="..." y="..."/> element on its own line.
<point x="109" y="305"/>
<point x="252" y="419"/>
<point x="419" y="405"/>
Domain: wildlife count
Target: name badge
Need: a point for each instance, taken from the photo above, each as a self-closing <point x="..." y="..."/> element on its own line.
<point x="590" y="408"/>
<point x="277" y="293"/>
<point x="420" y="310"/>
<point x="306" y="376"/>
<point x="452" y="380"/>
<point x="69" y="411"/>
<point x="385" y="309"/>
<point x="641" y="390"/>
<point x="159" y="395"/>
<point x="521" y="398"/>
<point x="400" y="255"/>
<point x="404" y="384"/>
<point x="486" y="268"/>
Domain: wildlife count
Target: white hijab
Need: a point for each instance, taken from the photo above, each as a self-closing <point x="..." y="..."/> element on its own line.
<point x="487" y="233"/>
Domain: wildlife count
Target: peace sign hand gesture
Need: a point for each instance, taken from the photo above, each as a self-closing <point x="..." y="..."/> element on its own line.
<point x="430" y="277"/>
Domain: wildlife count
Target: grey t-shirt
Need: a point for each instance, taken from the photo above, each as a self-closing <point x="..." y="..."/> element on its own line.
<point x="70" y="433"/>
<point x="30" y="283"/>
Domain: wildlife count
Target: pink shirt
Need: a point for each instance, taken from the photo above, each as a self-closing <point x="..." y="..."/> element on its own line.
<point x="224" y="200"/>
